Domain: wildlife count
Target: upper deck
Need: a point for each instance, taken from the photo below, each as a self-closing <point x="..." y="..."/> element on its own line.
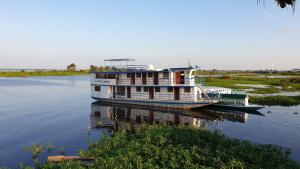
<point x="141" y="77"/>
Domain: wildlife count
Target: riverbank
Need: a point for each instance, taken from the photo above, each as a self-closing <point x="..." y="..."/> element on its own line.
<point x="178" y="147"/>
<point x="275" y="100"/>
<point x="42" y="73"/>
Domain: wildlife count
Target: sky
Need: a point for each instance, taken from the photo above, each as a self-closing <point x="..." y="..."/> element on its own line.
<point x="231" y="34"/>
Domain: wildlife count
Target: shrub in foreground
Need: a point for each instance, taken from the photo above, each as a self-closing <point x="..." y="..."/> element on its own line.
<point x="179" y="147"/>
<point x="275" y="100"/>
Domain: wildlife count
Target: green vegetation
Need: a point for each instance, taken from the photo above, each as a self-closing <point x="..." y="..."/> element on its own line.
<point x="272" y="85"/>
<point x="248" y="73"/>
<point x="71" y="70"/>
<point x="99" y="69"/>
<point x="105" y="69"/>
<point x="268" y="90"/>
<point x="71" y="67"/>
<point x="178" y="147"/>
<point x="275" y="100"/>
<point x="43" y="73"/>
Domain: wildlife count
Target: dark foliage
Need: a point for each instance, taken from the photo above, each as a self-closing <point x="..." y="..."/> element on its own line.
<point x="179" y="147"/>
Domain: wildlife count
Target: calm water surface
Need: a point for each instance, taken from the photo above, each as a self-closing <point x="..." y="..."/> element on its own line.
<point x="58" y="110"/>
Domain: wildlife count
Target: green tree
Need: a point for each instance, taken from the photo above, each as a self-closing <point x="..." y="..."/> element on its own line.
<point x="71" y="67"/>
<point x="93" y="68"/>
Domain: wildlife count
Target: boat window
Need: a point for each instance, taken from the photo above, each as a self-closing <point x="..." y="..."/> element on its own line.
<point x="111" y="76"/>
<point x="193" y="73"/>
<point x="187" y="89"/>
<point x="121" y="90"/>
<point x="138" y="75"/>
<point x="97" y="88"/>
<point x="157" y="89"/>
<point x="165" y="74"/>
<point x="97" y="75"/>
<point x="138" y="119"/>
<point x="146" y="89"/>
<point x="103" y="76"/>
<point x="150" y="74"/>
<point x="128" y="75"/>
<point x="170" y="89"/>
<point x="138" y="89"/>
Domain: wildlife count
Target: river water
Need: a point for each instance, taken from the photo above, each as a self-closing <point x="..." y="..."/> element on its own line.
<point x="59" y="111"/>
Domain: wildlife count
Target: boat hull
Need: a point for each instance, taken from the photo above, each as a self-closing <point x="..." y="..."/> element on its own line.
<point x="165" y="104"/>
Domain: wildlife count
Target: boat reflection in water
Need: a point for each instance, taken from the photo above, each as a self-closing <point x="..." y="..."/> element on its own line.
<point x="114" y="117"/>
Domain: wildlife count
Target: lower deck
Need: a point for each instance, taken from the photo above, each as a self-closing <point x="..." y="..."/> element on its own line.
<point x="155" y="103"/>
<point x="157" y="93"/>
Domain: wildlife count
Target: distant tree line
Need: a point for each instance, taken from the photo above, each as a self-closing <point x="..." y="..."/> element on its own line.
<point x="71" y="67"/>
<point x="94" y="68"/>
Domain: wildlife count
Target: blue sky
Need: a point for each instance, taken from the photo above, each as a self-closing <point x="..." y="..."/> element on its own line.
<point x="231" y="34"/>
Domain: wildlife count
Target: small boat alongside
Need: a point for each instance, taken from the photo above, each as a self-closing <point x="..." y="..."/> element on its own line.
<point x="237" y="107"/>
<point x="228" y="100"/>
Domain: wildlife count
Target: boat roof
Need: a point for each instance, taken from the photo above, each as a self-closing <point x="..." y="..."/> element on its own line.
<point x="119" y="60"/>
<point x="119" y="71"/>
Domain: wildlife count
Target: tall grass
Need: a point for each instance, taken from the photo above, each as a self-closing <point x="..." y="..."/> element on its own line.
<point x="275" y="100"/>
<point x="276" y="85"/>
<point x="179" y="147"/>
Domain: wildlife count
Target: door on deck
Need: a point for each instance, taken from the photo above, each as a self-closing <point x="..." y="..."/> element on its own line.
<point x="177" y="77"/>
<point x="132" y="76"/>
<point x="155" y="78"/>
<point x="128" y="92"/>
<point x="176" y="93"/>
<point x="144" y="78"/>
<point x="182" y="77"/>
<point x="151" y="93"/>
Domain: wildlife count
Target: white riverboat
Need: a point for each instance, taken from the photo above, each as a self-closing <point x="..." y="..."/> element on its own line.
<point x="146" y="86"/>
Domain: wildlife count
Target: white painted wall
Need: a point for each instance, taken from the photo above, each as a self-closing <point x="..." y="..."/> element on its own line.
<point x="96" y="81"/>
<point x="105" y="92"/>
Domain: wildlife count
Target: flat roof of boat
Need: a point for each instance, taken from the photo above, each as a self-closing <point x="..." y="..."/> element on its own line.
<point x="128" y="70"/>
<point x="181" y="68"/>
<point x="118" y="60"/>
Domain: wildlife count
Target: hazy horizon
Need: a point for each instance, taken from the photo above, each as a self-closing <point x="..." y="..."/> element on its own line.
<point x="239" y="35"/>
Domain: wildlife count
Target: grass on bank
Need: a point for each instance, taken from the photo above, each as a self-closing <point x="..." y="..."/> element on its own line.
<point x="246" y="73"/>
<point x="42" y="73"/>
<point x="178" y="147"/>
<point x="275" y="100"/>
<point x="274" y="85"/>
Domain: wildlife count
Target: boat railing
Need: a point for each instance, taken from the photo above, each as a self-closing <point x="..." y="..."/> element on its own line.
<point x="161" y="81"/>
<point x="165" y="97"/>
